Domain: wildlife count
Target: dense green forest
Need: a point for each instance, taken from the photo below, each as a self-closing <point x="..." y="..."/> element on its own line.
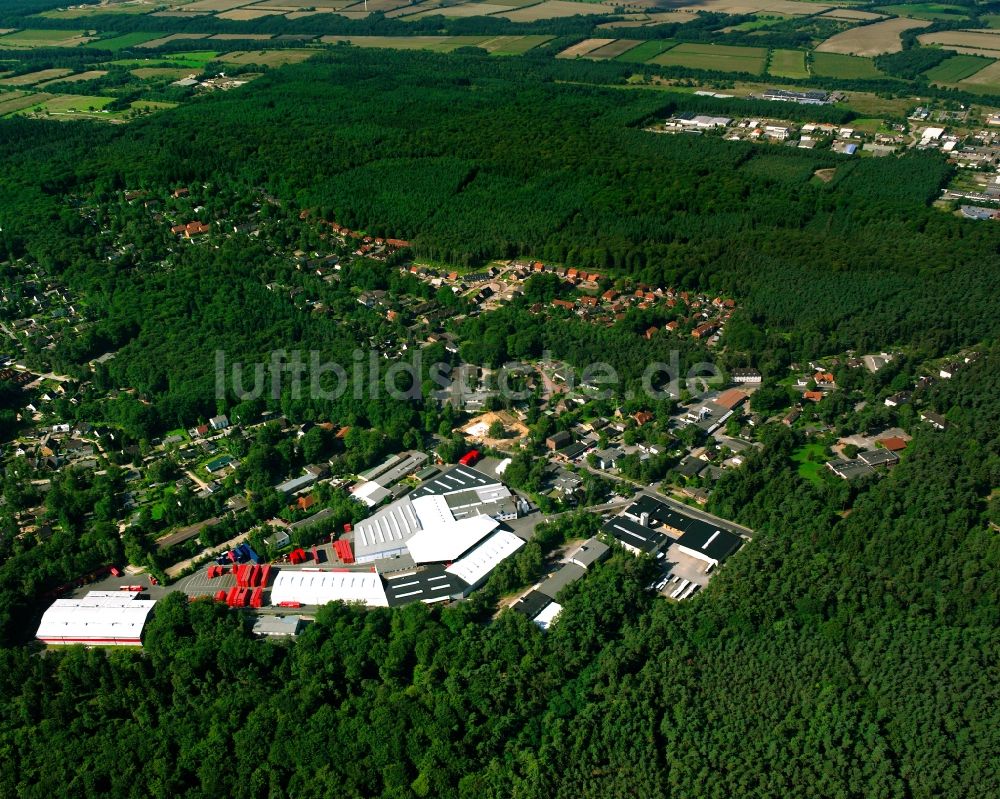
<point x="848" y="651"/>
<point x="474" y="158"/>
<point x="834" y="656"/>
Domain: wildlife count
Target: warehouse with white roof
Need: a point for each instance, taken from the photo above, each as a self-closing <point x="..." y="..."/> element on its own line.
<point x="105" y="618"/>
<point x="438" y="521"/>
<point x="318" y="588"/>
<point x="475" y="567"/>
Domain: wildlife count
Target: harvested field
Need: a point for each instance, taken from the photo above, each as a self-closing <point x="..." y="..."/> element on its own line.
<point x="246" y="37"/>
<point x="788" y="64"/>
<point x="17" y="101"/>
<point x="980" y="51"/>
<point x="513" y="45"/>
<point x="463" y="10"/>
<point x="97" y="10"/>
<point x="215" y="5"/>
<point x="44" y="38"/>
<point x="851" y="13"/>
<point x="957" y="68"/>
<point x="986" y="80"/>
<point x="290" y="4"/>
<point x="270" y="58"/>
<point x="584" y="47"/>
<point x="31" y="78"/>
<point x="173" y="37"/>
<point x="409" y="11"/>
<point x="715" y="57"/>
<point x="79" y="77"/>
<point x="790" y="7"/>
<point x="837" y="65"/>
<point x="170" y="73"/>
<point x="930" y="11"/>
<point x="247" y="14"/>
<point x="613" y="50"/>
<point x="551" y="9"/>
<point x="437" y="44"/>
<point x="378" y="5"/>
<point x="871" y="40"/>
<point x="649" y="20"/>
<point x="976" y="42"/>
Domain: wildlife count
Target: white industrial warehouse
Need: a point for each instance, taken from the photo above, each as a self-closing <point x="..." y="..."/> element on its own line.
<point x="311" y="587"/>
<point x="448" y="527"/>
<point x="459" y="504"/>
<point x="106" y="618"/>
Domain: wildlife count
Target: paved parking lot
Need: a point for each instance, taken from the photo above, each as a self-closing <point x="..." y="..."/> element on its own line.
<point x="685" y="567"/>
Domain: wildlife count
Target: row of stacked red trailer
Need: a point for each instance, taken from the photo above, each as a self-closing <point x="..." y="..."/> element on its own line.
<point x="343" y="549"/>
<point x="242" y="597"/>
<point x="252" y="576"/>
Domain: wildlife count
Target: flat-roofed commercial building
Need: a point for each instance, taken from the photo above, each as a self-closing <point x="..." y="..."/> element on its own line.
<point x="105" y="618"/>
<point x="318" y="588"/>
<point x="475" y="567"/>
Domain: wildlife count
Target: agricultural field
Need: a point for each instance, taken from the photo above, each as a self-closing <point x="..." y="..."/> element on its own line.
<point x="462" y="10"/>
<point x="791" y="8"/>
<point x="247" y="14"/>
<point x="613" y="50"/>
<point x="30" y="38"/>
<point x="193" y="60"/>
<point x="31" y="78"/>
<point x="986" y="80"/>
<point x="553" y="9"/>
<point x="79" y="77"/>
<point x="788" y="64"/>
<point x="72" y="104"/>
<point x="270" y="58"/>
<point x="81" y="12"/>
<point x="715" y="57"/>
<point x="244" y="37"/>
<point x="11" y="102"/>
<point x="173" y="37"/>
<point x="646" y="51"/>
<point x="124" y="41"/>
<point x="584" y="47"/>
<point x="837" y="65"/>
<point x="215" y="5"/>
<point x="513" y="45"/>
<point x="871" y="40"/>
<point x="928" y="11"/>
<point x="437" y="44"/>
<point x="756" y="24"/>
<point x="161" y="73"/>
<point x="852" y="13"/>
<point x="656" y="18"/>
<point x="972" y="42"/>
<point x="956" y="68"/>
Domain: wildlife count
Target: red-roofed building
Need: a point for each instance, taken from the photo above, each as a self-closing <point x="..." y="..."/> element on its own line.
<point x="642" y="417"/>
<point x="650" y="332"/>
<point x="893" y="443"/>
<point x="731" y="398"/>
<point x="813" y="396"/>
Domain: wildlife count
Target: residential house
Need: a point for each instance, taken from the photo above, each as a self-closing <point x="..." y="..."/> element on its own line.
<point x="936" y="421"/>
<point x="751" y="376"/>
<point x="558" y="440"/>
